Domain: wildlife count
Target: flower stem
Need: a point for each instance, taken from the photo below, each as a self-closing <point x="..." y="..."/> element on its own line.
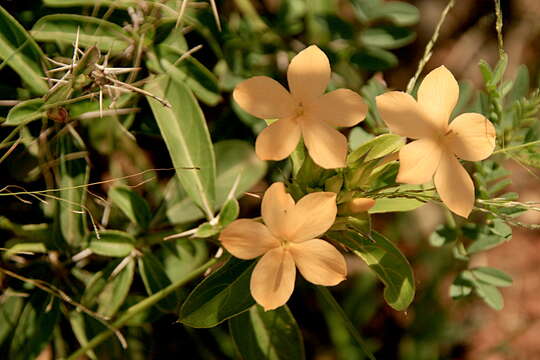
<point x="329" y="298"/>
<point x="517" y="147"/>
<point x="140" y="306"/>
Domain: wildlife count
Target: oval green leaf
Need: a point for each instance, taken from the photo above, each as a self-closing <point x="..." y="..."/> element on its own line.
<point x="387" y="261"/>
<point x="271" y="335"/>
<point x="111" y="243"/>
<point x="220" y="296"/>
<point x="132" y="205"/>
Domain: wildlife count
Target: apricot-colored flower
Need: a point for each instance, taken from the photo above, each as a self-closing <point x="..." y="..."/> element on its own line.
<point x="289" y="238"/>
<point x="469" y="136"/>
<point x="306" y="111"/>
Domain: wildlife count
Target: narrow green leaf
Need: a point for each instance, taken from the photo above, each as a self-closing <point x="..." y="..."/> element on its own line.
<point x="444" y="234"/>
<point x="132" y="205"/>
<point x="76" y="320"/>
<point x="387" y="36"/>
<point x="112" y="243"/>
<point x="492" y="276"/>
<point x="180" y="257"/>
<point x="116" y="288"/>
<point x="387" y="261"/>
<point x="73" y="174"/>
<point x="220" y="296"/>
<point x="21" y="53"/>
<point x="376" y="148"/>
<point x="399" y="12"/>
<point x="155" y="279"/>
<point x="25" y="112"/>
<point x="490" y="294"/>
<point x="271" y="335"/>
<point x="35" y="327"/>
<point x="118" y="4"/>
<point x="185" y="133"/>
<point x="62" y="28"/>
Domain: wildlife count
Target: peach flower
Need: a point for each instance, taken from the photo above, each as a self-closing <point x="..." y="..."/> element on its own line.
<point x="287" y="240"/>
<point x="469" y="136"/>
<point x="306" y="111"/>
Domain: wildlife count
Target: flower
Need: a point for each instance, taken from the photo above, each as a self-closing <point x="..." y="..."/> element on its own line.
<point x="289" y="238"/>
<point x="306" y="111"/>
<point x="470" y="136"/>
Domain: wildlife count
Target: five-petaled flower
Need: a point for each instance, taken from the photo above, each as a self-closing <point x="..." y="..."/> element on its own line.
<point x="306" y="111"/>
<point x="469" y="136"/>
<point x="288" y="239"/>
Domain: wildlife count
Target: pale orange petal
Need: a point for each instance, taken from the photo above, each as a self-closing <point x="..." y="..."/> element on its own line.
<point x="319" y="262"/>
<point x="247" y="239"/>
<point x="418" y="161"/>
<point x="438" y="94"/>
<point x="472" y="137"/>
<point x="272" y="280"/>
<point x="312" y="216"/>
<point x="276" y="208"/>
<point x="265" y="98"/>
<point x="454" y="185"/>
<point x="326" y="146"/>
<point x="308" y="74"/>
<point x="404" y="116"/>
<point x="278" y="140"/>
<point x="342" y="107"/>
<point x="359" y="205"/>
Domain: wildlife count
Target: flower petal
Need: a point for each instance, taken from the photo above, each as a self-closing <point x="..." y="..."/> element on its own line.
<point x="278" y="140"/>
<point x="418" y="161"/>
<point x="276" y="209"/>
<point x="326" y="146"/>
<point x="342" y="107"/>
<point x="272" y="280"/>
<point x="308" y="74"/>
<point x="438" y="94"/>
<point x="472" y="137"/>
<point x="265" y="98"/>
<point x="454" y="185"/>
<point x="404" y="116"/>
<point x="312" y="216"/>
<point x="319" y="262"/>
<point x="247" y="239"/>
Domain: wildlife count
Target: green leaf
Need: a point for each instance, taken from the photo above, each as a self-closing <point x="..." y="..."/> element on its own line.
<point x="10" y="309"/>
<point x="21" y="53"/>
<point x="387" y="261"/>
<point x="461" y="287"/>
<point x="132" y="205"/>
<point x="271" y="335"/>
<point x="400" y="13"/>
<point x="492" y="276"/>
<point x="377" y="148"/>
<point x="74" y="173"/>
<point x="35" y="327"/>
<point x="374" y="59"/>
<point x="112" y="243"/>
<point x="116" y="288"/>
<point x="76" y="320"/>
<point x="25" y="112"/>
<point x="62" y="28"/>
<point x="443" y="235"/>
<point x="521" y="85"/>
<point x="490" y="294"/>
<point x="180" y="257"/>
<point x="387" y="37"/>
<point x="155" y="279"/>
<point x="185" y="133"/>
<point x="385" y="205"/>
<point x="229" y="213"/>
<point x="206" y="230"/>
<point x="222" y="295"/>
<point x="236" y="161"/>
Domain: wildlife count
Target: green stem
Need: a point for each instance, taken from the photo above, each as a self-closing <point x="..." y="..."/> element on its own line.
<point x="327" y="296"/>
<point x="135" y="309"/>
<point x="517" y="147"/>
